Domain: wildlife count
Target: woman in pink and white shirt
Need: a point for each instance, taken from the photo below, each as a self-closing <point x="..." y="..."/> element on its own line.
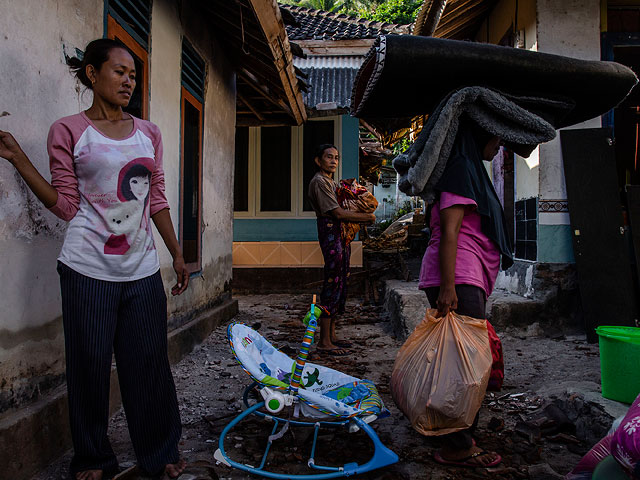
<point x="107" y="182"/>
<point x="460" y="267"/>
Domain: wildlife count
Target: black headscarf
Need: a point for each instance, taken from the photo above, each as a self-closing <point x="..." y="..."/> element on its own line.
<point x="466" y="176"/>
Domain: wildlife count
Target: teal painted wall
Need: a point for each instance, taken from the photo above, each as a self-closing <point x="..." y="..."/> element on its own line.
<point x="350" y="140"/>
<point x="275" y="230"/>
<point x="555" y="244"/>
<point x="300" y="229"/>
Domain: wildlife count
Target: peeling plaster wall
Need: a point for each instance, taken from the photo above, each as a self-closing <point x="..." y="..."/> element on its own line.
<point x="39" y="90"/>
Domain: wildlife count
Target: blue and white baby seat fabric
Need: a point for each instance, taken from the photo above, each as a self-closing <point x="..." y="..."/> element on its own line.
<point x="327" y="397"/>
<point x="323" y="392"/>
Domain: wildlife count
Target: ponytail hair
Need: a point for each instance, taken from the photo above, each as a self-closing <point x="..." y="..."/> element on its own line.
<point x="95" y="53"/>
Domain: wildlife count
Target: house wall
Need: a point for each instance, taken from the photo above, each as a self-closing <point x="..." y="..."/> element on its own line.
<point x="214" y="281"/>
<point x="570" y="28"/>
<point x="394" y="200"/>
<point x="40" y="90"/>
<point x="503" y="16"/>
<point x="527" y="175"/>
<point x="293" y="241"/>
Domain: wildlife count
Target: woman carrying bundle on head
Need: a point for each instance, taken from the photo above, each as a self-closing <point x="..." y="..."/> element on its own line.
<point x="461" y="263"/>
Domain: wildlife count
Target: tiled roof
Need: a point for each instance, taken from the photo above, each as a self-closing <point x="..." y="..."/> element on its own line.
<point x="321" y="25"/>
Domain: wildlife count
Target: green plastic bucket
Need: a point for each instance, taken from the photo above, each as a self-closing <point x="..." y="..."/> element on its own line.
<point x="620" y="362"/>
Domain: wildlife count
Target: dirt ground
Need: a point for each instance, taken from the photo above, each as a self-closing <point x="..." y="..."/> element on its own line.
<point x="210" y="385"/>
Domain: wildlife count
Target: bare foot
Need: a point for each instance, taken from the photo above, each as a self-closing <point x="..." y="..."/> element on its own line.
<point x="335" y="350"/>
<point x="472" y="456"/>
<point x="173" y="470"/>
<point x="89" y="475"/>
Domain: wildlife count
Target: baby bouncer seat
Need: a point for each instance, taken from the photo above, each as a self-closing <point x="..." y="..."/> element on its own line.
<point x="296" y="390"/>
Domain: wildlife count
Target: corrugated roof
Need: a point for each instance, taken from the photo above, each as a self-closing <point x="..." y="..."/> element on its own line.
<point x="321" y="25"/>
<point x="329" y="85"/>
<point x="337" y="61"/>
<point x="330" y="79"/>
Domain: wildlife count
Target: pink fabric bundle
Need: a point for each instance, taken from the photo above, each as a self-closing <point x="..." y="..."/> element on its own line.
<point x="590" y="461"/>
<point x="356" y="198"/>
<point x="625" y="443"/>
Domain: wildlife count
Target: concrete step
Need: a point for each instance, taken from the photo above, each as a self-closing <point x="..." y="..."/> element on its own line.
<point x="406" y="305"/>
<point x="505" y="309"/>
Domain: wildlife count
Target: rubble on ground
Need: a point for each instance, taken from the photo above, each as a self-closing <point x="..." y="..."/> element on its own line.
<point x="531" y="432"/>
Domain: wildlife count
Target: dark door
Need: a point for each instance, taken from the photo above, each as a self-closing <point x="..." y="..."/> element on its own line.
<point x="633" y="212"/>
<point x="600" y="248"/>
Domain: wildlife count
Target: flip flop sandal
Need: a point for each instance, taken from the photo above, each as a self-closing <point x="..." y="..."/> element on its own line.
<point x="130" y="473"/>
<point x="464" y="462"/>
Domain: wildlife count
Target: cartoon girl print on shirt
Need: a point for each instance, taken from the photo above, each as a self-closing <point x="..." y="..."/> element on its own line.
<point x="125" y="219"/>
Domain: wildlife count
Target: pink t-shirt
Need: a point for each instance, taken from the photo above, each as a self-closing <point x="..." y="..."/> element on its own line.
<point x="477" y="257"/>
<point x="107" y="190"/>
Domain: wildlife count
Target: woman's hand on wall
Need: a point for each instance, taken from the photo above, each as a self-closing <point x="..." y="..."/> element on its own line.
<point x="9" y="148"/>
<point x="11" y="151"/>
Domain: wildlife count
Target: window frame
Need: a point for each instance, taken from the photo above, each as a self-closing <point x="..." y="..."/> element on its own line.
<point x="524" y="223"/>
<point x="251" y="180"/>
<point x="115" y="30"/>
<point x="337" y="137"/>
<point x="293" y="186"/>
<point x="254" y="165"/>
<point x="186" y="96"/>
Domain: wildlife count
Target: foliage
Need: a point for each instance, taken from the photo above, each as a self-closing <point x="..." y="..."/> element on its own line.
<point x="382" y="226"/>
<point x="403" y="210"/>
<point x="401" y="146"/>
<point x="390" y="11"/>
<point x="326" y="5"/>
<point x="394" y="11"/>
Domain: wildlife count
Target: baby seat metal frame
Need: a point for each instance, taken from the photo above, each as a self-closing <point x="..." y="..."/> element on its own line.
<point x="355" y="404"/>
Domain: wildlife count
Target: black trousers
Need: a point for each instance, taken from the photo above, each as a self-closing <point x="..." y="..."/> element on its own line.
<point x="128" y="319"/>
<point x="472" y="302"/>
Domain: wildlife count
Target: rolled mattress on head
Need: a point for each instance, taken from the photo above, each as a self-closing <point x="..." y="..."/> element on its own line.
<point x="405" y="75"/>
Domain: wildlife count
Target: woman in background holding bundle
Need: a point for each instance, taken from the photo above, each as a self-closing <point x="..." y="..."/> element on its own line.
<point x="324" y="200"/>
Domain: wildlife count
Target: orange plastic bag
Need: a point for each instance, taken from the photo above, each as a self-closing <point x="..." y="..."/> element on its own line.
<point x="441" y="373"/>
